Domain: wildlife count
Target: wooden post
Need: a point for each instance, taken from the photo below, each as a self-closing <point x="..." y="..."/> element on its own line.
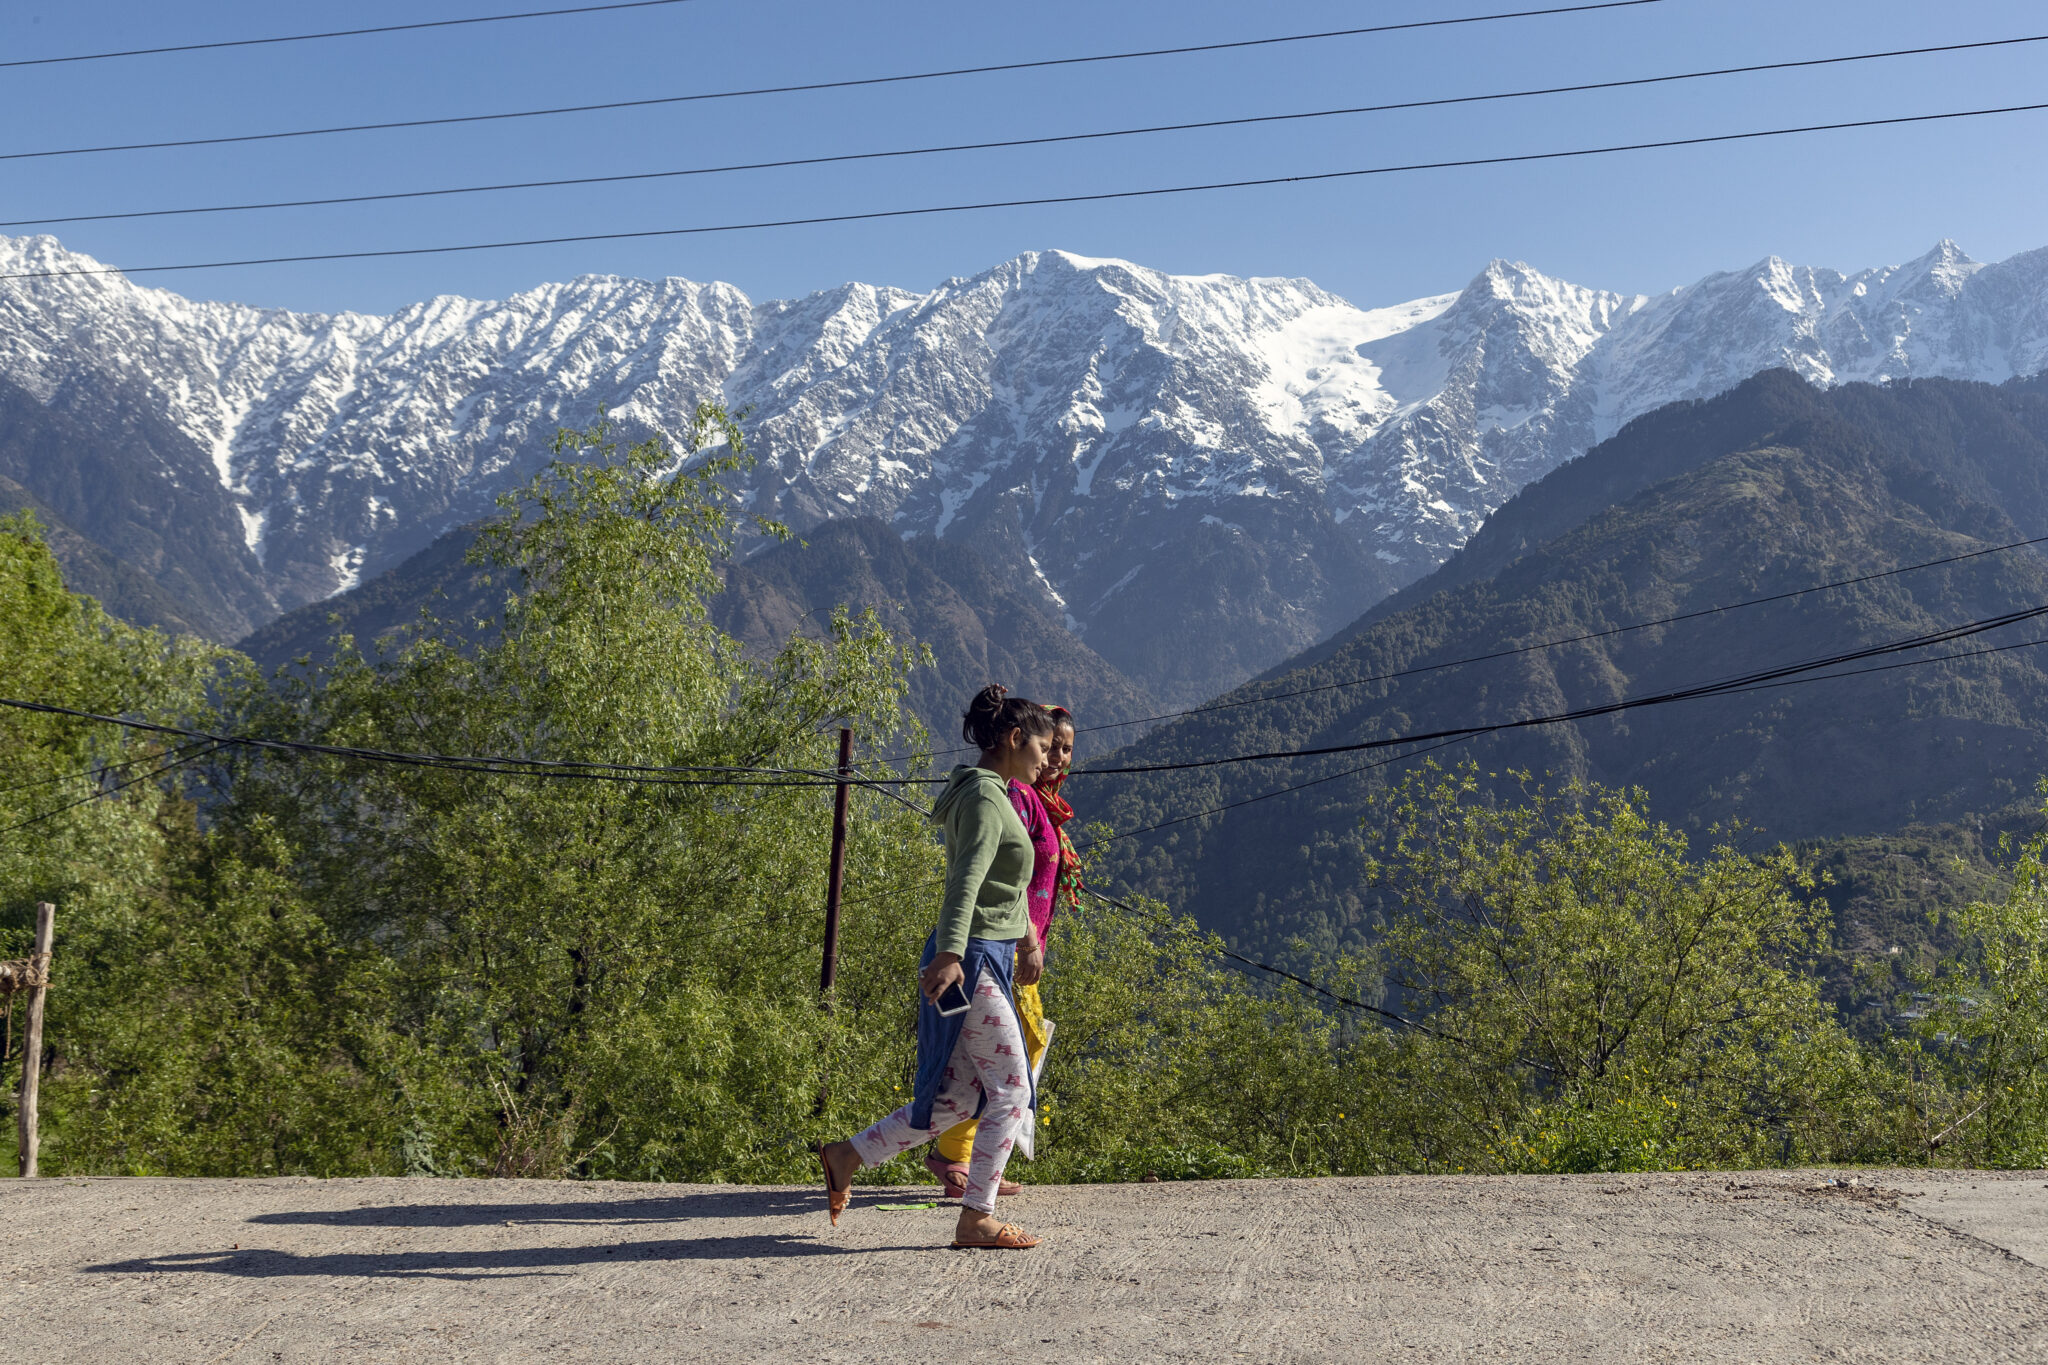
<point x="837" y="879"/>
<point x="32" y="1046"/>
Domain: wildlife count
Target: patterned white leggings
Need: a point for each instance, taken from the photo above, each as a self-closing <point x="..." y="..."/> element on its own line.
<point x="988" y="1060"/>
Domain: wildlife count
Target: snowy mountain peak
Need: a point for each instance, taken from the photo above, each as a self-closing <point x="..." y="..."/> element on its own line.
<point x="1945" y="270"/>
<point x="1506" y="279"/>
<point x="1155" y="451"/>
<point x="1078" y="263"/>
<point x="40" y="252"/>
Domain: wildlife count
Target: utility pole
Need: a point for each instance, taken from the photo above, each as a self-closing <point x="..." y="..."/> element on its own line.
<point x="38" y="984"/>
<point x="837" y="879"/>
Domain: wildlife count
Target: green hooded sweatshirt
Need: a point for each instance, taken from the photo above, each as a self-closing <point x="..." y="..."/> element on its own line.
<point x="988" y="860"/>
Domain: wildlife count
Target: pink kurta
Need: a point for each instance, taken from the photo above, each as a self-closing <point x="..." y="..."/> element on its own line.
<point x="1045" y="846"/>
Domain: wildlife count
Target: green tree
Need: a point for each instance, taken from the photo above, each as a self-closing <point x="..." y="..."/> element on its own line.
<point x="1987" y="1026"/>
<point x="612" y="977"/>
<point x="221" y="1029"/>
<point x="75" y="801"/>
<point x="1595" y="998"/>
<point x="200" y="1021"/>
<point x="315" y="962"/>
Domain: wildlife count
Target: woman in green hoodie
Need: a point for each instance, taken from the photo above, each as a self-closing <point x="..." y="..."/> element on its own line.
<point x="971" y="1064"/>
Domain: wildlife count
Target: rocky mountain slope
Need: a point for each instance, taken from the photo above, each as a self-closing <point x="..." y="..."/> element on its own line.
<point x="125" y="592"/>
<point x="980" y="626"/>
<point x="1772" y="487"/>
<point x="1202" y="475"/>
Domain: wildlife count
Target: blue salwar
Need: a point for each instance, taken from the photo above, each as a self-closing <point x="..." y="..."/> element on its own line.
<point x="938" y="1034"/>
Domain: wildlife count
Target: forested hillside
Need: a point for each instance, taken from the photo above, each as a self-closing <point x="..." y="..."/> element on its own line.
<point x="126" y="592"/>
<point x="1770" y="488"/>
<point x="439" y="579"/>
<point x="979" y="625"/>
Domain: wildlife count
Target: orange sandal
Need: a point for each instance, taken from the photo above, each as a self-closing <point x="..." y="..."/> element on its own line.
<point x="835" y="1199"/>
<point x="1009" y="1237"/>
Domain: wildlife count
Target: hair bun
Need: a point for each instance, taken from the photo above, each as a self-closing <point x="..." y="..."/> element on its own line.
<point x="994" y="713"/>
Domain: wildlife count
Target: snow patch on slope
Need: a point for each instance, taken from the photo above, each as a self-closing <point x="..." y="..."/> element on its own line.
<point x="1090" y="404"/>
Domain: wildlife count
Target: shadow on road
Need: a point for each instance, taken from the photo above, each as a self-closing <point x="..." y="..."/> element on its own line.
<point x="503" y="1263"/>
<point x="680" y="1208"/>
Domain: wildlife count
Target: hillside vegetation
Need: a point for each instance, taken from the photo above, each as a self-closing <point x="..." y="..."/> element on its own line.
<point x="291" y="960"/>
<point x="1771" y="488"/>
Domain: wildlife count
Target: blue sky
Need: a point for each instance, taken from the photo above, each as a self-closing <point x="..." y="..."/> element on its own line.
<point x="1642" y="221"/>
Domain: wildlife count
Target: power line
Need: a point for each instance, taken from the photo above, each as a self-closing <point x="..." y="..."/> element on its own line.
<point x="1268" y="796"/>
<point x="98" y="769"/>
<point x="1005" y="143"/>
<point x="701" y="775"/>
<point x="1729" y="691"/>
<point x="1345" y="1000"/>
<point x="1350" y="1003"/>
<point x="1550" y="644"/>
<point x="1041" y="201"/>
<point x="1572" y="639"/>
<point x="873" y="897"/>
<point x="1326" y="992"/>
<point x="1112" y="901"/>
<point x="336" y="33"/>
<point x="733" y="775"/>
<point x="1445" y="744"/>
<point x="1738" y="683"/>
<point x="73" y="805"/>
<point x="848" y="84"/>
<point x="1885" y="668"/>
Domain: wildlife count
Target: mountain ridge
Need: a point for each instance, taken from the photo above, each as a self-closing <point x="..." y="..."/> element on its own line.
<point x="1245" y="463"/>
<point x="1777" y="494"/>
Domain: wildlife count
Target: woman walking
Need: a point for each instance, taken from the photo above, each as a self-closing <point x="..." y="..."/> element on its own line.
<point x="1055" y="884"/>
<point x="1059" y="762"/>
<point x="971" y="1061"/>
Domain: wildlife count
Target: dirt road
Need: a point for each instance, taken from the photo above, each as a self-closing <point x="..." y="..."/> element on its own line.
<point x="1772" y="1267"/>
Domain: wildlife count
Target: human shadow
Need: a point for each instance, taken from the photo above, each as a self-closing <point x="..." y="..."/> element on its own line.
<point x="681" y="1208"/>
<point x="487" y="1263"/>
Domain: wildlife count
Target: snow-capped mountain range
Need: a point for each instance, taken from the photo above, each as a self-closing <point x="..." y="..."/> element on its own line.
<point x="1203" y="473"/>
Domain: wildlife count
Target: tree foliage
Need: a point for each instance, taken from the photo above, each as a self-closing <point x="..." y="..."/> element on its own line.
<point x="607" y="976"/>
<point x="1595" y="997"/>
<point x="1987" y="1020"/>
<point x="200" y="1008"/>
<point x="306" y="961"/>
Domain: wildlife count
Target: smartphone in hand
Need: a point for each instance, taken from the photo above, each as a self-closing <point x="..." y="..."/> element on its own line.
<point x="954" y="999"/>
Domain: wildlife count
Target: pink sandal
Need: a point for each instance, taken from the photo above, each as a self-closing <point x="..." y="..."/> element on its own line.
<point x="954" y="1175"/>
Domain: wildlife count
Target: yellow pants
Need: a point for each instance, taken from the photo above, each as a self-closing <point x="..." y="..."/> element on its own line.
<point x="957" y="1142"/>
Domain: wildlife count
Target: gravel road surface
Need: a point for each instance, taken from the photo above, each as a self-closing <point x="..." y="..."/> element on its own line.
<point x="1778" y="1266"/>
